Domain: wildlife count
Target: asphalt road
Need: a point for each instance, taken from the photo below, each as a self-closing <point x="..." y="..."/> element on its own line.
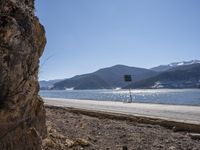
<point x="180" y="113"/>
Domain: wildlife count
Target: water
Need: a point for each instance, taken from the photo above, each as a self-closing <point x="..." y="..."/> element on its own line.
<point x="158" y="96"/>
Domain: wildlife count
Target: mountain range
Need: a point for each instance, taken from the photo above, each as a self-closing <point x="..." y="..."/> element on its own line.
<point x="162" y="68"/>
<point x="48" y="84"/>
<point x="107" y="78"/>
<point x="187" y="76"/>
<point x="184" y="74"/>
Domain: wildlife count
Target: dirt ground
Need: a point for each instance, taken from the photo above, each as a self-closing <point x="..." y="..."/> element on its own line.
<point x="74" y="131"/>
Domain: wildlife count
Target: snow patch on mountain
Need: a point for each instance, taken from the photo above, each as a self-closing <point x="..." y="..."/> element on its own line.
<point x="162" y="68"/>
<point x="184" y="63"/>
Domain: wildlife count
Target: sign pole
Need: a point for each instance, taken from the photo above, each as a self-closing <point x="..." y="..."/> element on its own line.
<point x="131" y="98"/>
<point x="128" y="78"/>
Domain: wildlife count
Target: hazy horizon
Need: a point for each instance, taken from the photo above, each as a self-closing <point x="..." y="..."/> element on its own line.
<point x="84" y="36"/>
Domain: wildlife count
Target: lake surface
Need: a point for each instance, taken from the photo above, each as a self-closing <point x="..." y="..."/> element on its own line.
<point x="158" y="96"/>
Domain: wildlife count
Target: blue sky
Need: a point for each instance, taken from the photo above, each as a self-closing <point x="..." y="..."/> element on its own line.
<point x="85" y="35"/>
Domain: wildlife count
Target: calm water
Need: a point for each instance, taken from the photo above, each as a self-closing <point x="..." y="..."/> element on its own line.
<point x="160" y="96"/>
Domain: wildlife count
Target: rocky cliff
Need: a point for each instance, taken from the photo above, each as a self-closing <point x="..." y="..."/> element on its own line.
<point x="22" y="41"/>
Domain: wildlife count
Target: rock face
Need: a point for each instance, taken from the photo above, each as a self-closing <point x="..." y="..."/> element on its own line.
<point x="22" y="41"/>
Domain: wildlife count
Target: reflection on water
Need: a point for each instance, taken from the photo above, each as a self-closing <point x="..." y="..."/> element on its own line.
<point x="163" y="96"/>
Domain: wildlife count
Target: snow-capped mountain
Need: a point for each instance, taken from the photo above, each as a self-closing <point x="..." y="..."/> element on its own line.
<point x="182" y="76"/>
<point x="162" y="68"/>
<point x="184" y="63"/>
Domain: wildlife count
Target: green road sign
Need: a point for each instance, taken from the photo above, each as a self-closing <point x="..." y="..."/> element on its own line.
<point x="127" y="78"/>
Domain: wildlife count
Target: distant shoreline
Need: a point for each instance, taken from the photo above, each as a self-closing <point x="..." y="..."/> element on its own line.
<point x="72" y="89"/>
<point x="188" y="97"/>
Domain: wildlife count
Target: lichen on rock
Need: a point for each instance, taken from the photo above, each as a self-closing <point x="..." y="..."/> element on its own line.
<point x="22" y="41"/>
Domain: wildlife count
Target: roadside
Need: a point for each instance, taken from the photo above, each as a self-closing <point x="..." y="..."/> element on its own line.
<point x="178" y="113"/>
<point x="71" y="129"/>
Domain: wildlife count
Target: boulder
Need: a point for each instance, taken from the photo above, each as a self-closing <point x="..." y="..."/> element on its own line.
<point x="22" y="41"/>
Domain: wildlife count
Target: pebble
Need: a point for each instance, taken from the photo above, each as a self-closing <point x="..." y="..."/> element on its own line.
<point x="171" y="148"/>
<point x="69" y="143"/>
<point x="82" y="142"/>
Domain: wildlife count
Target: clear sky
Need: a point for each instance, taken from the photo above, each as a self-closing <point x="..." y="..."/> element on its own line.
<point x="85" y="35"/>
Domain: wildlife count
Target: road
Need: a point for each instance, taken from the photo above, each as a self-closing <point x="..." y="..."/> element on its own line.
<point x="187" y="114"/>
